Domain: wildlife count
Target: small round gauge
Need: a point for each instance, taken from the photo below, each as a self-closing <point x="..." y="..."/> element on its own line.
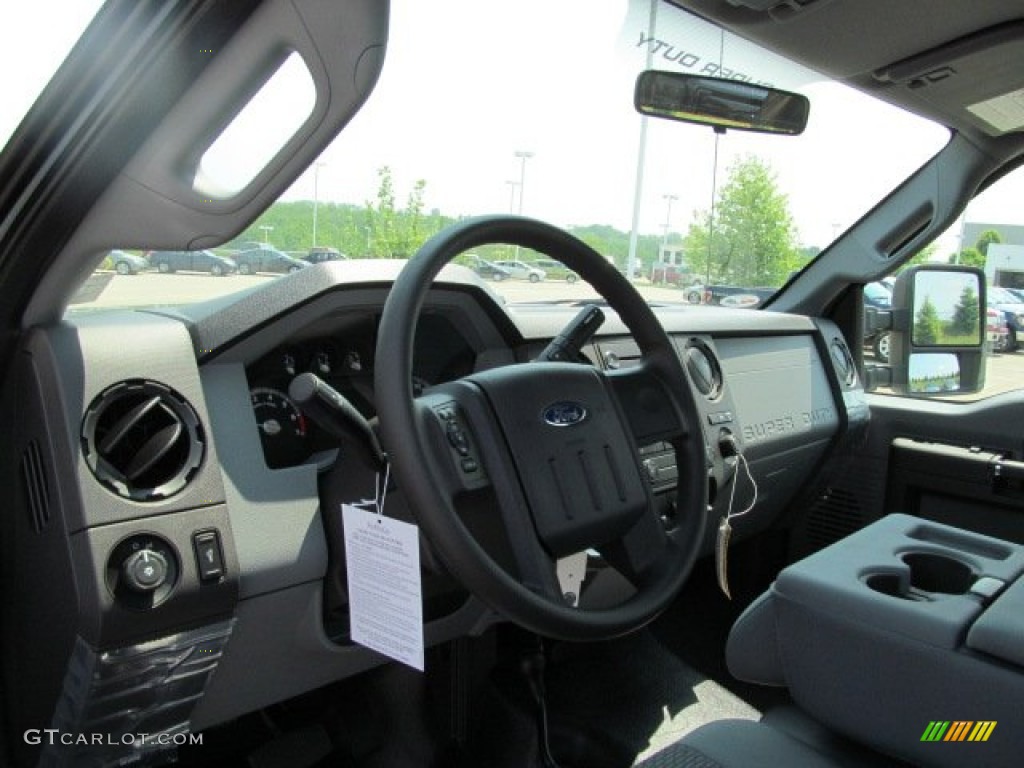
<point x="282" y="427"/>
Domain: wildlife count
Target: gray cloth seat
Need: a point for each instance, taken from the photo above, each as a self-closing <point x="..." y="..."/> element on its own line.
<point x="783" y="739"/>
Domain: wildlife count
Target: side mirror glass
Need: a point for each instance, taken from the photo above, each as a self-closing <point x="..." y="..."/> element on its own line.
<point x="935" y="291"/>
<point x="933" y="373"/>
<point x="938" y="330"/>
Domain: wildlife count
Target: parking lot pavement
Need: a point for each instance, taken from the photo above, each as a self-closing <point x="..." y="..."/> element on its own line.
<point x="154" y="289"/>
<point x="1005" y="372"/>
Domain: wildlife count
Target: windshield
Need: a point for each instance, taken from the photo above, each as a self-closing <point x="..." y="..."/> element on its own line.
<point x="527" y="108"/>
<point x="998" y="295"/>
<point x="47" y="29"/>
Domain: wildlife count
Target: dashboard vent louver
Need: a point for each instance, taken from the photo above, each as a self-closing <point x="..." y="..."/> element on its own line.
<point x="836" y="514"/>
<point x="142" y="440"/>
<point x="37" y="487"/>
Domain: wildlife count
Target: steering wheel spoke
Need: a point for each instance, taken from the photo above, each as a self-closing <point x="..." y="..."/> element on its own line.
<point x="641" y="554"/>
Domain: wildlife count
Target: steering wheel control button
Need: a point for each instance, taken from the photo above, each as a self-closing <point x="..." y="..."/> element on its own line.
<point x="470" y="473"/>
<point x="209" y="559"/>
<point x="142" y="571"/>
<point x="457" y="438"/>
<point x="145" y="570"/>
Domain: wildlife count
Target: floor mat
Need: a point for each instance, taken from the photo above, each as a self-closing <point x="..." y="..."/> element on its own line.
<point x="628" y="697"/>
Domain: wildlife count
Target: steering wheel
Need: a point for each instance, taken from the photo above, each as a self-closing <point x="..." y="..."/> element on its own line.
<point x="554" y="444"/>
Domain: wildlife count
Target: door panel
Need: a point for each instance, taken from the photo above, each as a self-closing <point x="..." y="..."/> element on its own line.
<point x="957" y="463"/>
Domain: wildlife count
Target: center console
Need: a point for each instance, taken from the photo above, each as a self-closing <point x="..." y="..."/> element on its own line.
<point x="902" y="635"/>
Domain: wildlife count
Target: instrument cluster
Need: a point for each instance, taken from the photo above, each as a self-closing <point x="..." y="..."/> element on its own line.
<point x="344" y="358"/>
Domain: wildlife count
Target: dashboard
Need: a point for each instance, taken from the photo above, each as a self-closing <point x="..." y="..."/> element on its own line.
<point x="242" y="504"/>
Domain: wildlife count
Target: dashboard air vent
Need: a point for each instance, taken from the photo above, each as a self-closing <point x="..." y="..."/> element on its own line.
<point x="842" y="360"/>
<point x="142" y="440"/>
<point x="703" y="368"/>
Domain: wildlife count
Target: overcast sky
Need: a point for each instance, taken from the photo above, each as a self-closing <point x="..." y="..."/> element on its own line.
<point x="467" y="83"/>
<point x="556" y="79"/>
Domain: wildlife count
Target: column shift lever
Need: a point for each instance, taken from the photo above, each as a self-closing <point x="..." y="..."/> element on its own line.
<point x="333" y="411"/>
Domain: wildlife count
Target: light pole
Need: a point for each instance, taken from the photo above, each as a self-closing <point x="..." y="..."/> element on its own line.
<point x="512" y="196"/>
<point x="662" y="259"/>
<point x="668" y="215"/>
<point x="523" y="156"/>
<point x="266" y="228"/>
<point x="316" y="194"/>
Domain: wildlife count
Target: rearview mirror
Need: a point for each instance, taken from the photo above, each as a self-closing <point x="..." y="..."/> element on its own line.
<point x="720" y="103"/>
<point x="938" y="330"/>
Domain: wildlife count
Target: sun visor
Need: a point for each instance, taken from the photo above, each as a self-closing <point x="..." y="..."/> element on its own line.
<point x="977" y="79"/>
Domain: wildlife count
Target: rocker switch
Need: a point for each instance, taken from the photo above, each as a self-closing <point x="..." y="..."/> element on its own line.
<point x="209" y="559"/>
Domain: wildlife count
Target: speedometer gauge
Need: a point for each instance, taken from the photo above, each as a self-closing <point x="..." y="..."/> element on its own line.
<point x="282" y="427"/>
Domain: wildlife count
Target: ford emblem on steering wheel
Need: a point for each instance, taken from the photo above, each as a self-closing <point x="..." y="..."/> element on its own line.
<point x="564" y="414"/>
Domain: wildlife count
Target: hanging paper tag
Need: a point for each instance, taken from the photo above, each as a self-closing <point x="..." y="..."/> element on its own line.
<point x="385" y="593"/>
<point x="722" y="555"/>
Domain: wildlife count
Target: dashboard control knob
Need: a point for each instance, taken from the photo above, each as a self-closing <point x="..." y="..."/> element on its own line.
<point x="145" y="570"/>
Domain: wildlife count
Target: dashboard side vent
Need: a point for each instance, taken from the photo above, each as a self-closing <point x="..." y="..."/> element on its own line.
<point x="836" y="514"/>
<point x="703" y="367"/>
<point x="842" y="361"/>
<point x="37" y="487"/>
<point x="142" y="440"/>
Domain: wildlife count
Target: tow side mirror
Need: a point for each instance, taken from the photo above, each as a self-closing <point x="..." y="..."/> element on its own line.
<point x="938" y="344"/>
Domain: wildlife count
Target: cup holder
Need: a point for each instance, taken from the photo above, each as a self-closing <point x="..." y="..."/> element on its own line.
<point x="937" y="573"/>
<point x="930" y="574"/>
<point x="887" y="583"/>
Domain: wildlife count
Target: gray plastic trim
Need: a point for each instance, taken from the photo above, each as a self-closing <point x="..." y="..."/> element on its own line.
<point x="281" y="635"/>
<point x="274" y="513"/>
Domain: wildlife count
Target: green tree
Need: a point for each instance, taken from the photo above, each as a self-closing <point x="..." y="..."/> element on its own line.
<point x="383" y="217"/>
<point x="985" y="239"/>
<point x="966" y="315"/>
<point x="927" y="326"/>
<point x="969" y="257"/>
<point x="753" y="241"/>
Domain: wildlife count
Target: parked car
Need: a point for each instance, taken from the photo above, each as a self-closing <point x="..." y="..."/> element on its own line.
<point x="322" y="253"/>
<point x="247" y="245"/>
<point x="556" y="270"/>
<point x="996" y="330"/>
<point x="192" y="261"/>
<point x="1013" y="313"/>
<point x="125" y="263"/>
<point x="267" y="260"/>
<point x="1018" y="292"/>
<point x="738" y="296"/>
<point x="488" y="269"/>
<point x="878" y="295"/>
<point x="520" y="270"/>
